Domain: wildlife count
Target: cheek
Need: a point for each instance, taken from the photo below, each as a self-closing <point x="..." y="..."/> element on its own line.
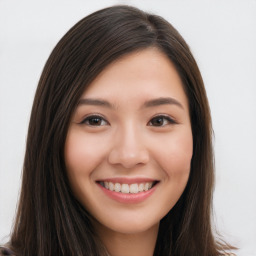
<point x="175" y="154"/>
<point x="174" y="159"/>
<point x="82" y="154"/>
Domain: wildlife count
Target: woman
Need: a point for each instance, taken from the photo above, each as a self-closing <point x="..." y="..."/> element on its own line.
<point x="119" y="154"/>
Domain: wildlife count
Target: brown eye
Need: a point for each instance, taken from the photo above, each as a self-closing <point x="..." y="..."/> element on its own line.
<point x="161" y="121"/>
<point x="94" y="121"/>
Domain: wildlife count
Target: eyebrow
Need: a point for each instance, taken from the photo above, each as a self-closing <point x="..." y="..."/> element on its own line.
<point x="162" y="101"/>
<point x="150" y="103"/>
<point x="95" y="102"/>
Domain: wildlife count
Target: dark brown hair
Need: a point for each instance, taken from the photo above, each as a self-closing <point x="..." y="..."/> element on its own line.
<point x="50" y="221"/>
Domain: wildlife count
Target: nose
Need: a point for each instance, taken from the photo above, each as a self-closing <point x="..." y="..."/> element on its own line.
<point x="128" y="149"/>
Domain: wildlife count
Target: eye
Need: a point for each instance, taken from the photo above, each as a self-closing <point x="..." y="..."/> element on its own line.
<point x="161" y="121"/>
<point x="94" y="121"/>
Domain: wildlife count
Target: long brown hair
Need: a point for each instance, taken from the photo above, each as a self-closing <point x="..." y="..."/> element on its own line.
<point x="50" y="221"/>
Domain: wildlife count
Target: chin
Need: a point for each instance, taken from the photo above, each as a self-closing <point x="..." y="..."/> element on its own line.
<point x="131" y="224"/>
<point x="130" y="228"/>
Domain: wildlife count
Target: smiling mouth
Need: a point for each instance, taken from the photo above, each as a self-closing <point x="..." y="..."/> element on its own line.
<point x="134" y="188"/>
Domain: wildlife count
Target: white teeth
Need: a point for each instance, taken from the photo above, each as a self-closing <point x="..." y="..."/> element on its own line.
<point x="106" y="184"/>
<point x="134" y="188"/>
<point x="146" y="187"/>
<point x="111" y="186"/>
<point x="117" y="187"/>
<point x="141" y="187"/>
<point x="126" y="188"/>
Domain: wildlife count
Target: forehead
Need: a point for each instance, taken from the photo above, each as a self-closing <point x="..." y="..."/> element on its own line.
<point x="136" y="76"/>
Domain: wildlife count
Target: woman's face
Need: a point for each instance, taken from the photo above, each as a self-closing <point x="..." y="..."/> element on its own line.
<point x="129" y="144"/>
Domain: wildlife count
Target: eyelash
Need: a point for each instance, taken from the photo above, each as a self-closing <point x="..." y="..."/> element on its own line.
<point x="90" y="118"/>
<point x="168" y="120"/>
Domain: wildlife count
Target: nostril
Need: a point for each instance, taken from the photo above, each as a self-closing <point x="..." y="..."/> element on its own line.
<point x="128" y="158"/>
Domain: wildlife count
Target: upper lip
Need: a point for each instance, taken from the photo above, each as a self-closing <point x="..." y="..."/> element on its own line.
<point x="125" y="180"/>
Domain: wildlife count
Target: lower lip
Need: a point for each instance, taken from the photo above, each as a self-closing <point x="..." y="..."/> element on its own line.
<point x="129" y="197"/>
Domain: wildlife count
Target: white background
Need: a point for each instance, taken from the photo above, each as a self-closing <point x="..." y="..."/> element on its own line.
<point x="222" y="37"/>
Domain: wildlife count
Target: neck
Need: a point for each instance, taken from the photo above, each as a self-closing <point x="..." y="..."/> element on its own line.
<point x="138" y="244"/>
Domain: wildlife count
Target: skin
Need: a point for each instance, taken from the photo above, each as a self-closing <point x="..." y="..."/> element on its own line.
<point x="131" y="139"/>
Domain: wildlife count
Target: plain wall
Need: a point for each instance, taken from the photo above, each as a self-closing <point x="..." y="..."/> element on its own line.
<point x="222" y="37"/>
